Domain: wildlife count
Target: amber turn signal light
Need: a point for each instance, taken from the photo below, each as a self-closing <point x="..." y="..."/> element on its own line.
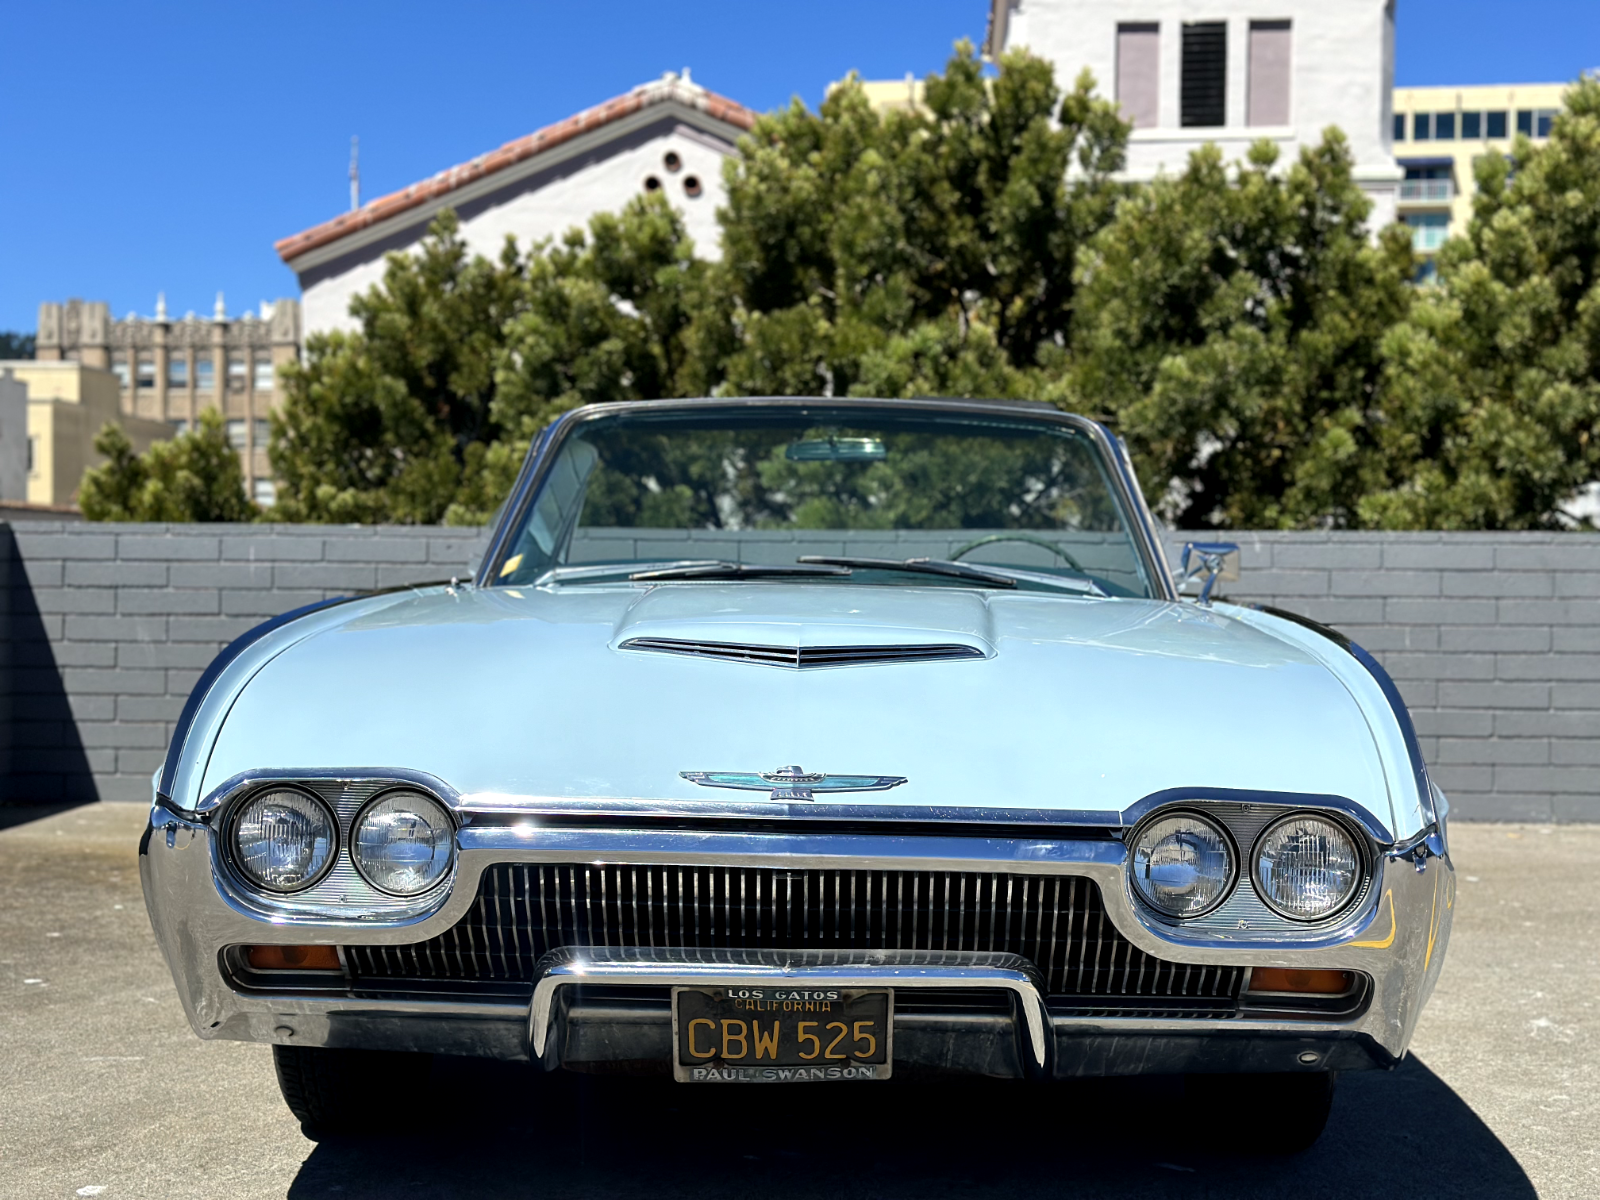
<point x="1316" y="983"/>
<point x="292" y="958"/>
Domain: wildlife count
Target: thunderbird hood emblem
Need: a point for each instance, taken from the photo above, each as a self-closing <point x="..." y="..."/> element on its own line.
<point x="792" y="783"/>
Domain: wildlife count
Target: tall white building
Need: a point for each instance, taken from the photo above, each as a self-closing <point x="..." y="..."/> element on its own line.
<point x="1187" y="72"/>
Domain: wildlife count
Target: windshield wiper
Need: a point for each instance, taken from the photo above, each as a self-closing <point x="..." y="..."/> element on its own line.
<point x="603" y="570"/>
<point x="728" y="570"/>
<point x="993" y="576"/>
<point x="919" y="566"/>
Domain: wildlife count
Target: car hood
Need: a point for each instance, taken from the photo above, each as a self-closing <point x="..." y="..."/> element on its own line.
<point x="1076" y="703"/>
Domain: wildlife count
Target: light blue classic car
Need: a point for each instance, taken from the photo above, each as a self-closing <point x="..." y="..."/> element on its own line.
<point x="800" y="740"/>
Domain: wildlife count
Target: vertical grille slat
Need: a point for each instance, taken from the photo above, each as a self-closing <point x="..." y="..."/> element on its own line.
<point x="1058" y="922"/>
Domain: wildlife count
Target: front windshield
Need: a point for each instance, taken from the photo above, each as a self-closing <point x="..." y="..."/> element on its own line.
<point x="723" y="492"/>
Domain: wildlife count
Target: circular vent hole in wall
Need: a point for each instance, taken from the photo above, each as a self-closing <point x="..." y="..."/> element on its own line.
<point x="671" y="161"/>
<point x="691" y="185"/>
<point x="652" y="184"/>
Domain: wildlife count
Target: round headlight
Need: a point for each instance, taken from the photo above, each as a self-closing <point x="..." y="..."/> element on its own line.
<point x="1182" y="865"/>
<point x="284" y="840"/>
<point x="1307" y="867"/>
<point x="402" y="843"/>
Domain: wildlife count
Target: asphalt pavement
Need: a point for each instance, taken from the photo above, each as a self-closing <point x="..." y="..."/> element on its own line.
<point x="104" y="1091"/>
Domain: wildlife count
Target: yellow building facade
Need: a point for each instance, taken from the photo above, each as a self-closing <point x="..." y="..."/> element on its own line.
<point x="68" y="404"/>
<point x="1441" y="132"/>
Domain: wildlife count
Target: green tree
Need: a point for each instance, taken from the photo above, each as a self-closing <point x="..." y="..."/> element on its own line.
<point x="1230" y="324"/>
<point x="194" y="477"/>
<point x="1493" y="384"/>
<point x="16" y="345"/>
<point x="607" y="317"/>
<point x="912" y="251"/>
<point x="425" y="412"/>
<point x="376" y="424"/>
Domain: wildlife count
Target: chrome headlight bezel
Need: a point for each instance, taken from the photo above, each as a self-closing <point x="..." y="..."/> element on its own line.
<point x="1229" y="845"/>
<point x="1359" y="883"/>
<point x="449" y="823"/>
<point x="236" y="857"/>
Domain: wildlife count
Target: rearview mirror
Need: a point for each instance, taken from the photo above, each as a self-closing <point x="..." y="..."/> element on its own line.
<point x="837" y="449"/>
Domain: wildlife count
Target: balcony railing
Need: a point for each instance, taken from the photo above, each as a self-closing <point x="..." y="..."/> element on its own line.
<point x="1427" y="191"/>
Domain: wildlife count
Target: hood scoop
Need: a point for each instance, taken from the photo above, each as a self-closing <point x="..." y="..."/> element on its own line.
<point x="803" y="657"/>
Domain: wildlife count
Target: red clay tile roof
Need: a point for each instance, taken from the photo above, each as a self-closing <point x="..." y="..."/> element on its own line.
<point x="659" y="91"/>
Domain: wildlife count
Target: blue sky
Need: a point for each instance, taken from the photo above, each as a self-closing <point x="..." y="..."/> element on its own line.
<point x="165" y="146"/>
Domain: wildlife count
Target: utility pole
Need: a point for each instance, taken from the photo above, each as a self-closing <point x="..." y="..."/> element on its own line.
<point x="355" y="173"/>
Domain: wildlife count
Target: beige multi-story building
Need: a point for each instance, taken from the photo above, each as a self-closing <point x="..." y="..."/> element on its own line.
<point x="170" y="370"/>
<point x="68" y="403"/>
<point x="1439" y="135"/>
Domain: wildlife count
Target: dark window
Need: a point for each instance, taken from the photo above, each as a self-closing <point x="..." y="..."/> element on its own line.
<point x="1472" y="125"/>
<point x="1421" y="127"/>
<point x="1399" y="127"/>
<point x="1444" y="127"/>
<point x="1494" y="124"/>
<point x="145" y="373"/>
<point x="1204" y="90"/>
<point x="1525" y="121"/>
<point x="1543" y="119"/>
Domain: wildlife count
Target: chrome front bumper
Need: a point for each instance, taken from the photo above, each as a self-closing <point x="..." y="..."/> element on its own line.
<point x="584" y="1015"/>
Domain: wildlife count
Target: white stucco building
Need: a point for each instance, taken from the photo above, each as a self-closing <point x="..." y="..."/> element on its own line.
<point x="1187" y="72"/>
<point x="670" y="134"/>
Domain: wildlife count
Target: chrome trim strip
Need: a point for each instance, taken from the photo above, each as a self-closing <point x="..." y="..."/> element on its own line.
<point x="702" y="968"/>
<point x="389" y="776"/>
<point x="488" y="809"/>
<point x="803" y="658"/>
<point x="1120" y="474"/>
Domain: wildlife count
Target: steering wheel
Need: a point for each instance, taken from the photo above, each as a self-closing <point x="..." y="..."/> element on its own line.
<point x="1020" y="537"/>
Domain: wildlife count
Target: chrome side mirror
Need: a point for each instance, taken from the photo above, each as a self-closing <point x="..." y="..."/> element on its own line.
<point x="1206" y="562"/>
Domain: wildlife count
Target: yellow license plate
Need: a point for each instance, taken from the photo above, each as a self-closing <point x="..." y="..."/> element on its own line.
<point x="781" y="1034"/>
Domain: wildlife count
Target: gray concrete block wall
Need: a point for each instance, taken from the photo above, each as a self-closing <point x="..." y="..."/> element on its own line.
<point x="109" y="627"/>
<point x="1494" y="639"/>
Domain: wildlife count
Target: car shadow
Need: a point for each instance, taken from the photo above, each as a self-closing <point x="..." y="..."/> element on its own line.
<point x="480" y="1129"/>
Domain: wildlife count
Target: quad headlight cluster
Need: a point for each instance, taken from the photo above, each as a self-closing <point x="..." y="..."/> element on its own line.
<point x="287" y="840"/>
<point x="1305" y="866"/>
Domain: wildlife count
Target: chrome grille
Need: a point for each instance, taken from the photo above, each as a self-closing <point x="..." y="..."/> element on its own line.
<point x="803" y="657"/>
<point x="1059" y="922"/>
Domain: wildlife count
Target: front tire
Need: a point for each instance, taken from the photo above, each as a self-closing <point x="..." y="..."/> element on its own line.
<point x="1263" y="1114"/>
<point x="345" y="1091"/>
